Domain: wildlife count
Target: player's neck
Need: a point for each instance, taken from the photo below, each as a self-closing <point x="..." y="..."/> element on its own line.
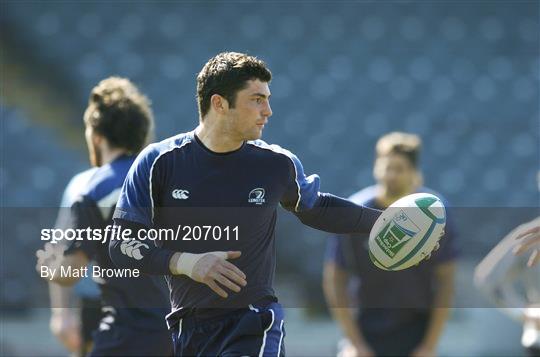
<point x="216" y="139"/>
<point x="108" y="156"/>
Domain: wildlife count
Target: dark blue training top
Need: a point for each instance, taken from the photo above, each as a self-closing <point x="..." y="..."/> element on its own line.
<point x="86" y="287"/>
<point x="142" y="301"/>
<point x="222" y="202"/>
<point x="388" y="299"/>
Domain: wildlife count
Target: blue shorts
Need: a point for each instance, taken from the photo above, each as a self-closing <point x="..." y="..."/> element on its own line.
<point x="254" y="331"/>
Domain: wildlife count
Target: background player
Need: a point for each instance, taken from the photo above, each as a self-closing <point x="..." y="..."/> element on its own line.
<point x="118" y="122"/>
<point x="220" y="176"/>
<point x="400" y="311"/>
<point x="511" y="282"/>
<point x="75" y="311"/>
<point x="529" y="241"/>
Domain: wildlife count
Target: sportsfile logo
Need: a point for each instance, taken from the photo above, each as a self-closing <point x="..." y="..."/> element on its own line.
<point x="257" y="196"/>
<point x="396" y="233"/>
<point x="179" y="194"/>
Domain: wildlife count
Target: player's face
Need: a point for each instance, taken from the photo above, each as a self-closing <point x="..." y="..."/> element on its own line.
<point x="396" y="173"/>
<point x="251" y="111"/>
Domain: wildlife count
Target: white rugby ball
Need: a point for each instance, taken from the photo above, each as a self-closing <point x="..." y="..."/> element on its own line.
<point x="407" y="231"/>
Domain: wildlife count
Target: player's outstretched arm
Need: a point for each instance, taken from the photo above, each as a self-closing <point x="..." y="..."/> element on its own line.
<point x="322" y="211"/>
<point x="65" y="322"/>
<point x="337" y="215"/>
<point x="529" y="240"/>
<point x="210" y="268"/>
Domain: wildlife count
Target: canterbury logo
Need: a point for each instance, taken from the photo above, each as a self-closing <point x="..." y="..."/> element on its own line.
<point x="132" y="249"/>
<point x="180" y="194"/>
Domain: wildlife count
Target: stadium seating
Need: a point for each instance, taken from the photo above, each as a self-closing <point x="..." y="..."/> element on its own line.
<point x="463" y="77"/>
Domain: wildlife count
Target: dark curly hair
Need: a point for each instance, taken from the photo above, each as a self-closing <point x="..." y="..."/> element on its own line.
<point x="118" y="111"/>
<point x="226" y="74"/>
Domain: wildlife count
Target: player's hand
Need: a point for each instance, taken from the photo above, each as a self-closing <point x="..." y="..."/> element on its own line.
<point x="213" y="268"/>
<point x="529" y="240"/>
<point x="532" y="317"/>
<point x="435" y="248"/>
<point x="51" y="256"/>
<point x="65" y="325"/>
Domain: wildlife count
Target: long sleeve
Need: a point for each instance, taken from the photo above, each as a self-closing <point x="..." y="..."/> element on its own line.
<point x="134" y="211"/>
<point x="323" y="211"/>
<point x="338" y="215"/>
<point x="138" y="254"/>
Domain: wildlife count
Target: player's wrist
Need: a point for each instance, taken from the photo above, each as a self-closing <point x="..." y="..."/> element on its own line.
<point x="173" y="262"/>
<point x="186" y="262"/>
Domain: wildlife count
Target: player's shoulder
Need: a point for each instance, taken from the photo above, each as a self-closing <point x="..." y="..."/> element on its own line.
<point x="82" y="177"/>
<point x="108" y="178"/>
<point x="77" y="186"/>
<point x="364" y="196"/>
<point x="156" y="150"/>
<point x="263" y="147"/>
<point x="169" y="144"/>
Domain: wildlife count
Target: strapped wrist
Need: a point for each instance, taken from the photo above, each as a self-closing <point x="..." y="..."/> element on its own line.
<point x="186" y="262"/>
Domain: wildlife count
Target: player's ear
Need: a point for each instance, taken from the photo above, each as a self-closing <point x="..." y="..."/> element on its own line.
<point x="219" y="103"/>
<point x="418" y="178"/>
<point x="97" y="139"/>
<point x="378" y="170"/>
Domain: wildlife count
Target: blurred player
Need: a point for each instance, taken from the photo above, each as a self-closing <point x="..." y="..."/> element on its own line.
<point x="118" y="122"/>
<point x="512" y="282"/>
<point x="76" y="310"/>
<point x="528" y="240"/>
<point x="219" y="186"/>
<point x="394" y="315"/>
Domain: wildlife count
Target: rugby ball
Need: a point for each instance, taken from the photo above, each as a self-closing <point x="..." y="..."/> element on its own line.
<point x="407" y="231"/>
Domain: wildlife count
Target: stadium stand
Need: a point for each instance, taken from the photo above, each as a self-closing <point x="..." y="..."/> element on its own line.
<point x="463" y="77"/>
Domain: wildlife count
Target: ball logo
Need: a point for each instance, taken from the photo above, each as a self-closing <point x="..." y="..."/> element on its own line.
<point x="396" y="233"/>
<point x="256" y="196"/>
<point x="180" y="194"/>
<point x="407" y="231"/>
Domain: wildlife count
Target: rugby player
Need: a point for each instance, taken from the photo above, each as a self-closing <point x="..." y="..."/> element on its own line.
<point x="118" y="122"/>
<point x="73" y="326"/>
<point x="410" y="305"/>
<point x="529" y="240"/>
<point x="220" y="186"/>
<point x="511" y="282"/>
